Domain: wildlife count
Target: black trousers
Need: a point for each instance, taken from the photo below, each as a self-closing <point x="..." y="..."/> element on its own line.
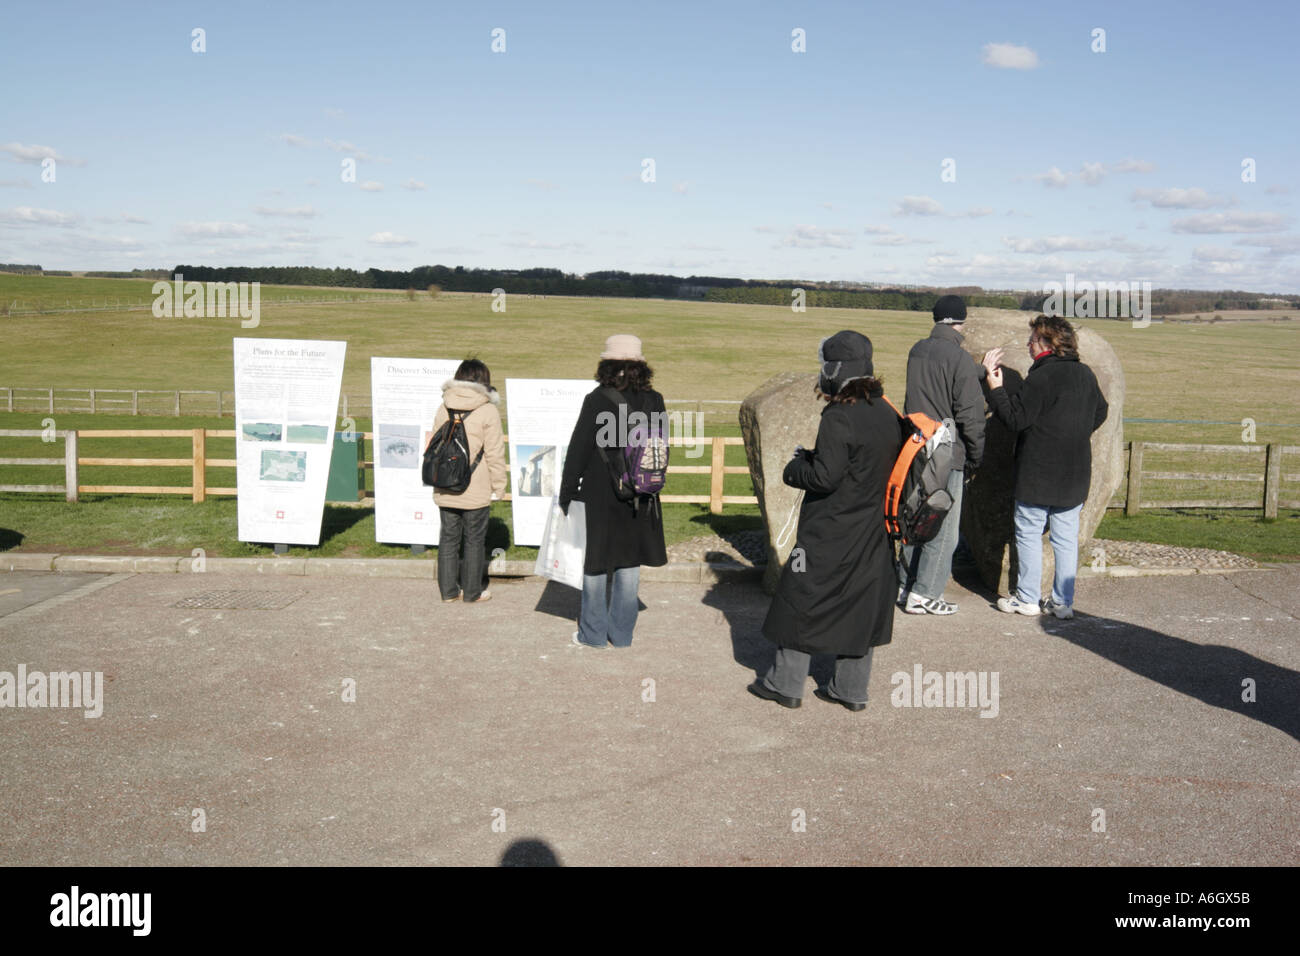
<point x="467" y="576"/>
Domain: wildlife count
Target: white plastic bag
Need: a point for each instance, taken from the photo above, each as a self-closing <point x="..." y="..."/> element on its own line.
<point x="564" y="545"/>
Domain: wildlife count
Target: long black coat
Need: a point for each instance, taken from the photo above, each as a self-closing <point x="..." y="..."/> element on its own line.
<point x="838" y="589"/>
<point x="618" y="536"/>
<point x="1055" y="411"/>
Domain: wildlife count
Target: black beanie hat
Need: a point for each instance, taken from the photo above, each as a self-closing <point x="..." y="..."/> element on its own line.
<point x="950" y="309"/>
<point x="845" y="356"/>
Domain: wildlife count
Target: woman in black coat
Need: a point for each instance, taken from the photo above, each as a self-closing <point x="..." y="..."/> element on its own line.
<point x="621" y="536"/>
<point x="838" y="588"/>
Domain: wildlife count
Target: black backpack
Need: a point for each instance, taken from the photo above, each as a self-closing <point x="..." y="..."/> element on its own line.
<point x="446" y="461"/>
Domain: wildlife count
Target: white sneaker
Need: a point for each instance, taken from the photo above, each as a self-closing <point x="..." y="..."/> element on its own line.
<point x="1013" y="605"/>
<point x="923" y="605"/>
<point x="1062" y="612"/>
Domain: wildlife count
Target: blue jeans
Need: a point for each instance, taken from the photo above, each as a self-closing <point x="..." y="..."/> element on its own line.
<point x="609" y="613"/>
<point x="1031" y="521"/>
<point x="925" y="570"/>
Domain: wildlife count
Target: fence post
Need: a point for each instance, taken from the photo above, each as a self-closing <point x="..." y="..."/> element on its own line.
<point x="221" y="395"/>
<point x="717" y="474"/>
<point x="70" y="464"/>
<point x="135" y="402"/>
<point x="10" y="394"/>
<point x="1133" y="504"/>
<point x="51" y="401"/>
<point x="200" y="491"/>
<point x="178" y="403"/>
<point x="92" y="401"/>
<point x="345" y="404"/>
<point x="1272" y="478"/>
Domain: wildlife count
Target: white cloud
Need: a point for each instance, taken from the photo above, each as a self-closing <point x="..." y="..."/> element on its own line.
<point x="682" y="187"/>
<point x="292" y="139"/>
<point x="815" y="237"/>
<point x="124" y="217"/>
<point x="1092" y="173"/>
<point x="918" y="206"/>
<point x="390" y="239"/>
<point x="1216" y="253"/>
<point x="1133" y="166"/>
<point x="15" y="184"/>
<point x="23" y="215"/>
<point x="1274" y="246"/>
<point x="544" y="184"/>
<point x="371" y="186"/>
<point x="414" y="184"/>
<point x="294" y="212"/>
<point x="1219" y="222"/>
<point x="35" y="154"/>
<point x="353" y="150"/>
<point x="215" y="230"/>
<point x="1053" y="178"/>
<point x="1044" y="244"/>
<point x="977" y="211"/>
<point x="878" y="230"/>
<point x="1180" y="198"/>
<point x="1277" y="189"/>
<point x="1009" y="56"/>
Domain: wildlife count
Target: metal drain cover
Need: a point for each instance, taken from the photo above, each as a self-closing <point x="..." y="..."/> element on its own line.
<point x="241" y="600"/>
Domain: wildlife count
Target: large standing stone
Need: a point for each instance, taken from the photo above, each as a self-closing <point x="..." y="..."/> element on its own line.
<point x="782" y="413"/>
<point x="986" y="520"/>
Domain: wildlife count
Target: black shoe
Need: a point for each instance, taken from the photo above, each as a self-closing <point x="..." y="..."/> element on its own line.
<point x="832" y="699"/>
<point x="759" y="689"/>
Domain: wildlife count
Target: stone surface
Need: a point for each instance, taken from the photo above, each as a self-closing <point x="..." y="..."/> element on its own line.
<point x="781" y="413"/>
<point x="986" y="520"/>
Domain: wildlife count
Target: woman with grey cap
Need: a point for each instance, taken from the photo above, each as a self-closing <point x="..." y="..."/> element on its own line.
<point x="837" y="591"/>
<point x="621" y="535"/>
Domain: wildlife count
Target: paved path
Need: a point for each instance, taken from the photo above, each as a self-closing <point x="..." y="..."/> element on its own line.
<point x="465" y="715"/>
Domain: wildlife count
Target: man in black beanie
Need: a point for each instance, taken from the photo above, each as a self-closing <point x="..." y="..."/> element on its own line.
<point x="943" y="382"/>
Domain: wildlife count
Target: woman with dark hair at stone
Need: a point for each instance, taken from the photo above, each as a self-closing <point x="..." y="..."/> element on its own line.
<point x="837" y="592"/>
<point x="621" y="535"/>
<point x="1054" y="414"/>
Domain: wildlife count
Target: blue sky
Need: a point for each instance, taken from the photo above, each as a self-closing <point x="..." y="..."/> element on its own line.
<point x="824" y="164"/>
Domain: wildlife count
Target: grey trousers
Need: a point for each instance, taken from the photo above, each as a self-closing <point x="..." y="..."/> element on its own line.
<point x="789" y="672"/>
<point x="467" y="578"/>
<point x="925" y="570"/>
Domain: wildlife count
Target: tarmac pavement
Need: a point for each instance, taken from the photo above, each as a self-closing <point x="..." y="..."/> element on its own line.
<point x="479" y="733"/>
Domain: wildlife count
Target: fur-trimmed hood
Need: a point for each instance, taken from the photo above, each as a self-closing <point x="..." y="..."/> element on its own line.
<point x="467" y="396"/>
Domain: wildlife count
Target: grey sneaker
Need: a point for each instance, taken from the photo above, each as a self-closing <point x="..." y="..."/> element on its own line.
<point x="1062" y="612"/>
<point x="923" y="605"/>
<point x="1013" y="605"/>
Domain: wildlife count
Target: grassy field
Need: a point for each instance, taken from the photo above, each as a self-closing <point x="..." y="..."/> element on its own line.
<point x="1179" y="375"/>
<point x="34" y="293"/>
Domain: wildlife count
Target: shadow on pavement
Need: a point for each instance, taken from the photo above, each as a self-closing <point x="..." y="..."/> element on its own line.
<point x="529" y="853"/>
<point x="560" y="600"/>
<point x="743" y="605"/>
<point x="10" y="538"/>
<point x="1213" y="673"/>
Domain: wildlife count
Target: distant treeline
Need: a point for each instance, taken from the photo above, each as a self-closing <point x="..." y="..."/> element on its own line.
<point x="644" y="285"/>
<point x="906" y="300"/>
<point x="133" y="274"/>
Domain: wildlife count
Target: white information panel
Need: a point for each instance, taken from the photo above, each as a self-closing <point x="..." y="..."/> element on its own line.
<point x="286" y="400"/>
<point x="541" y="413"/>
<point x="405" y="395"/>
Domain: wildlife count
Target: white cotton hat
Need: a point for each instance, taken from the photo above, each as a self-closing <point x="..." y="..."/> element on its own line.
<point x="623" y="347"/>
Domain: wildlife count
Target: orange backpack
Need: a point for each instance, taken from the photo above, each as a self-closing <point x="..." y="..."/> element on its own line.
<point x="916" y="497"/>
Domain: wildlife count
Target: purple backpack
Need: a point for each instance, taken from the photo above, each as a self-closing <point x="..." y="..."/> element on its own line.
<point x="639" y="463"/>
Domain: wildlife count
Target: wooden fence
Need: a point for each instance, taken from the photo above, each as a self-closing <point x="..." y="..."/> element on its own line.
<point x="178" y="401"/>
<point x="199" y="463"/>
<point x="1131" y="499"/>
